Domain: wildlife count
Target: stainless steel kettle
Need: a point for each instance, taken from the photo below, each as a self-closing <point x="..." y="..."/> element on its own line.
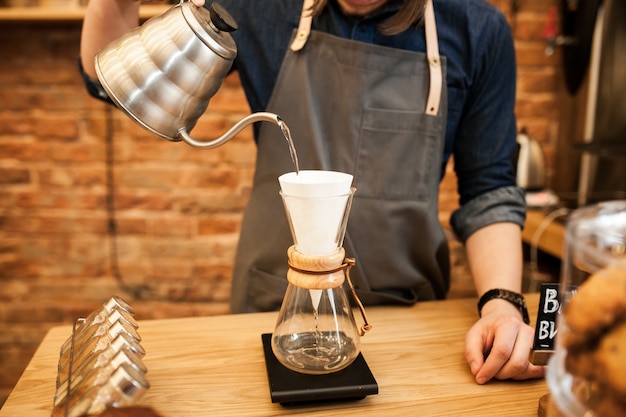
<point x="163" y="73"/>
<point x="531" y="166"/>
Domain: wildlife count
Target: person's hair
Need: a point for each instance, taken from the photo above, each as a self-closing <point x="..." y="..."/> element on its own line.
<point x="411" y="13"/>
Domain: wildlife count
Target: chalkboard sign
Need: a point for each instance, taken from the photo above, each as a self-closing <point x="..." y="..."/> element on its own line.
<point x="546" y="327"/>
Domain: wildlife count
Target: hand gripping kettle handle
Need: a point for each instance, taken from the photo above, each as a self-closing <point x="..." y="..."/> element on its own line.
<point x="232" y="132"/>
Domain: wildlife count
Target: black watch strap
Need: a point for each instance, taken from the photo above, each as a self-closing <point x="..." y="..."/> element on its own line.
<point x="512" y="297"/>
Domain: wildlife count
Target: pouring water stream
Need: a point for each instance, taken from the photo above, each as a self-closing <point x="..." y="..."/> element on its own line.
<point x="238" y="127"/>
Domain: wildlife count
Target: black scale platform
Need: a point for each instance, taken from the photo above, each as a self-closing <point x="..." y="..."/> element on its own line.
<point x="288" y="387"/>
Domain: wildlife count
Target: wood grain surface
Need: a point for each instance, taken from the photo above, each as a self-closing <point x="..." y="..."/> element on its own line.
<point x="214" y="366"/>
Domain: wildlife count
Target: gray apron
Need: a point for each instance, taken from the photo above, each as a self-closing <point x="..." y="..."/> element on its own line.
<point x="375" y="112"/>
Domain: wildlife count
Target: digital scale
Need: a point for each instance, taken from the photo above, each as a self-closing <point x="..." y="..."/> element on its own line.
<point x="288" y="387"/>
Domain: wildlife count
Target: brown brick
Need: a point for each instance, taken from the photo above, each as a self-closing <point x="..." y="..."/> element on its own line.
<point x="10" y="176"/>
<point x="536" y="6"/>
<point x="171" y="226"/>
<point x="130" y="226"/>
<point x="538" y="80"/>
<point x="15" y="123"/>
<point x="148" y="201"/>
<point x="219" y="224"/>
<point x="537" y="105"/>
<point x="59" y="198"/>
<point x="530" y="26"/>
<point x="533" y="54"/>
<point x="53" y="225"/>
<point x="215" y="202"/>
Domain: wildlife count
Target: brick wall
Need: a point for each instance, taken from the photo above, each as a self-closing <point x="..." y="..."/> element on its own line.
<point x="177" y="208"/>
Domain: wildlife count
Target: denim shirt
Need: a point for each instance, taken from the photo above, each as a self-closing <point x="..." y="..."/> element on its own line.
<point x="481" y="127"/>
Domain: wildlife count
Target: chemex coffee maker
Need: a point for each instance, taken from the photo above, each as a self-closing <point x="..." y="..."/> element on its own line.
<point x="314" y="352"/>
<point x="162" y="75"/>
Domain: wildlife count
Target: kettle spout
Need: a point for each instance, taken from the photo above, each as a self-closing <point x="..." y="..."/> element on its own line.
<point x="233" y="131"/>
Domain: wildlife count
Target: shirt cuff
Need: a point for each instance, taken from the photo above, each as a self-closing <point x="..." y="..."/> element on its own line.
<point x="505" y="204"/>
<point x="94" y="87"/>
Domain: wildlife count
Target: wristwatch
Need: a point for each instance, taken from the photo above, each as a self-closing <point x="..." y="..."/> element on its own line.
<point x="512" y="297"/>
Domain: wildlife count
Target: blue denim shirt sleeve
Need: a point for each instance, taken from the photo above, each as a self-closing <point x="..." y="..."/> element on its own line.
<point x="504" y="204"/>
<point x="482" y="129"/>
<point x="484" y="141"/>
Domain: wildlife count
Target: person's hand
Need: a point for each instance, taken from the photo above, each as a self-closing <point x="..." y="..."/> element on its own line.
<point x="497" y="346"/>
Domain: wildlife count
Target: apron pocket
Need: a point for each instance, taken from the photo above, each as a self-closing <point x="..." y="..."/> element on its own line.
<point x="399" y="156"/>
<point x="265" y="291"/>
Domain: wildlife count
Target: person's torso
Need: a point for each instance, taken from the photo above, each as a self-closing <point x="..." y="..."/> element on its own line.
<point x="379" y="114"/>
<point x="463" y="26"/>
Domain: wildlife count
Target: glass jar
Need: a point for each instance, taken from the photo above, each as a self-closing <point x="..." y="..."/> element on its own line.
<point x="587" y="373"/>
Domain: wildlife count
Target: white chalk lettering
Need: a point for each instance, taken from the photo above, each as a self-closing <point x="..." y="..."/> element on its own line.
<point x="551" y="303"/>
<point x="547" y="330"/>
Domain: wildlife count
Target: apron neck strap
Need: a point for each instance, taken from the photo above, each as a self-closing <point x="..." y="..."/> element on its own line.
<point x="304" y="29"/>
<point x="434" y="61"/>
<point x="432" y="50"/>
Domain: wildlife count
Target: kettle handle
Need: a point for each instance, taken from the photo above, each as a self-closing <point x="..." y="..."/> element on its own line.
<point x="220" y="18"/>
<point x="232" y="132"/>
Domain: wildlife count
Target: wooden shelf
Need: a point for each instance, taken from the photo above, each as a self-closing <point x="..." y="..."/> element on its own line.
<point x="64" y="14"/>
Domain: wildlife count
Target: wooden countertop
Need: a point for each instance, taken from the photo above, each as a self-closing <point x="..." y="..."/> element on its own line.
<point x="551" y="237"/>
<point x="214" y="366"/>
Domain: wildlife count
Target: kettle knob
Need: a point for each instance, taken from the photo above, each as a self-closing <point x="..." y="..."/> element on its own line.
<point x="221" y="19"/>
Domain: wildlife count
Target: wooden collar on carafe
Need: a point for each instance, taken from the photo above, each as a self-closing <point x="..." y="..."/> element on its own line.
<point x="316" y="272"/>
<point x="322" y="272"/>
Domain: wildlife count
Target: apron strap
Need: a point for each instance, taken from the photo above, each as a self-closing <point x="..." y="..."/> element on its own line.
<point x="434" y="61"/>
<point x="304" y="29"/>
<point x="432" y="50"/>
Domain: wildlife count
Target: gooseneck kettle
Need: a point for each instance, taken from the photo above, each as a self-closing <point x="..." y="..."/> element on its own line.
<point x="163" y="73"/>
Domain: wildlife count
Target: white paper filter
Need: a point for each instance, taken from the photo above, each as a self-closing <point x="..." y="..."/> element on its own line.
<point x="316" y="202"/>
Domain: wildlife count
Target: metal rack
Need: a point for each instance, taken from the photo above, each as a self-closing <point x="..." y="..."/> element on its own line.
<point x="100" y="363"/>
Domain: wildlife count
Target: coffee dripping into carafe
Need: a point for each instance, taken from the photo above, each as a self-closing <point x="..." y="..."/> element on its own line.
<point x="163" y="73"/>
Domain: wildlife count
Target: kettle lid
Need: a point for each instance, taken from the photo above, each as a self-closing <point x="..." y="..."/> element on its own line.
<point x="212" y="27"/>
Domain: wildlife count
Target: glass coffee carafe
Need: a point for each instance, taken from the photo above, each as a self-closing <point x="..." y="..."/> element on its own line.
<point x="315" y="331"/>
<point x="587" y="373"/>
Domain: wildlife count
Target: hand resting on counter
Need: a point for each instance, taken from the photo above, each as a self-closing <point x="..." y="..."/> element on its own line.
<point x="498" y="344"/>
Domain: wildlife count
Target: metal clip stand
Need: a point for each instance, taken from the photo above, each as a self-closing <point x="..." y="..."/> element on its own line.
<point x="124" y="370"/>
<point x="70" y="365"/>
